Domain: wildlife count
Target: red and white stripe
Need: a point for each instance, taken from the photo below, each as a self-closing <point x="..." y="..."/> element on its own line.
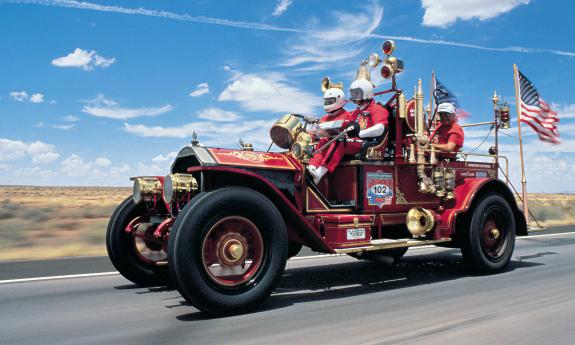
<point x="543" y="120"/>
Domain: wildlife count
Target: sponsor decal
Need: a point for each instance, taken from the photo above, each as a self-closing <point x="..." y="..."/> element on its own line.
<point x="379" y="188"/>
<point x="356" y="234"/>
<point x="481" y="174"/>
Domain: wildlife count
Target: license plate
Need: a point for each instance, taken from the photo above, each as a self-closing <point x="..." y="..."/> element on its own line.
<point x="356" y="234"/>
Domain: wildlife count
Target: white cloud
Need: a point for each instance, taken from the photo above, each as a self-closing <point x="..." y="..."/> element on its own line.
<point x="71" y="118"/>
<point x="19" y="96"/>
<point x="37" y="98"/>
<point x="23" y="96"/>
<point x="103" y="107"/>
<point x="565" y="111"/>
<point x="210" y="132"/>
<point x="161" y="14"/>
<point x="102" y="162"/>
<point x="64" y="127"/>
<point x="216" y="114"/>
<point x="269" y="92"/>
<point x="201" y="89"/>
<point x="333" y="44"/>
<point x="40" y="152"/>
<point x="443" y="13"/>
<point x="83" y="59"/>
<point x="281" y="7"/>
<point x="160" y="159"/>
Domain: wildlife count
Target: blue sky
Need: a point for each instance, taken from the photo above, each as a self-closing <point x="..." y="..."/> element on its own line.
<point x="94" y="92"/>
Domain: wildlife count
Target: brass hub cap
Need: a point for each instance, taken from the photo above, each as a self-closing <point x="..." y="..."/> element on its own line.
<point x="495" y="233"/>
<point x="232" y="251"/>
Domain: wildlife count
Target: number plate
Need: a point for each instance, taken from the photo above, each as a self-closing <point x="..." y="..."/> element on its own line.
<point x="356" y="234"/>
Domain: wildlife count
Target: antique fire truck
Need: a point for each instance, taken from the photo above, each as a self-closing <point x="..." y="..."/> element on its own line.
<point x="221" y="225"/>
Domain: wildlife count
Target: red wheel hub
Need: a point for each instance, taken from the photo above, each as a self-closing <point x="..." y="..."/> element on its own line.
<point x="492" y="238"/>
<point x="232" y="251"/>
<point x="148" y="247"/>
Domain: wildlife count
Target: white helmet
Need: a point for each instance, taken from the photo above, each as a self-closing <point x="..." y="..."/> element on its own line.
<point x="446" y="108"/>
<point x="361" y="90"/>
<point x="333" y="99"/>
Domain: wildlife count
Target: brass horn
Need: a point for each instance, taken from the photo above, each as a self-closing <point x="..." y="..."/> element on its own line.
<point x="363" y="72"/>
<point x="419" y="221"/>
<point x="326" y="83"/>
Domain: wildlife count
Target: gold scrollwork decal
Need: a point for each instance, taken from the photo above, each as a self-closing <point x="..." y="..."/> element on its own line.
<point x="399" y="197"/>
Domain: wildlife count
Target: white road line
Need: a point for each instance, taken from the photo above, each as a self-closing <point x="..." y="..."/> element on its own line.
<point x="546" y="235"/>
<point x="297" y="258"/>
<point x="24" y="280"/>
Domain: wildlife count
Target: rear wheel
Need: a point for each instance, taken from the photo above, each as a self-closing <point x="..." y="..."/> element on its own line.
<point x="229" y="251"/>
<point x="136" y="253"/>
<point x="489" y="242"/>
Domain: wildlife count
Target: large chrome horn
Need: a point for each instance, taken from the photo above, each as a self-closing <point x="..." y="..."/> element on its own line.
<point x="420" y="220"/>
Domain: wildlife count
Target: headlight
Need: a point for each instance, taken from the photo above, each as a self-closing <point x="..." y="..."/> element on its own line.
<point x="145" y="188"/>
<point x="298" y="149"/>
<point x="177" y="186"/>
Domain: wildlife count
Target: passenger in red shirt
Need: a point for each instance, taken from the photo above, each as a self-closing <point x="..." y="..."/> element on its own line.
<point x="371" y="118"/>
<point x="448" y="137"/>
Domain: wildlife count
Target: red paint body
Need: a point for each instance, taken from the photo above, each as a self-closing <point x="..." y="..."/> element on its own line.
<point x="358" y="201"/>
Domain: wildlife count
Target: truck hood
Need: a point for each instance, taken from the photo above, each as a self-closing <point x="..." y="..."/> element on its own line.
<point x="190" y="156"/>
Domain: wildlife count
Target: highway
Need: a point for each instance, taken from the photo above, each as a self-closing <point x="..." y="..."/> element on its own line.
<point x="429" y="297"/>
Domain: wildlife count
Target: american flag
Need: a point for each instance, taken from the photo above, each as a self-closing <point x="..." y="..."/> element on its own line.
<point x="536" y="112"/>
<point x="449" y="98"/>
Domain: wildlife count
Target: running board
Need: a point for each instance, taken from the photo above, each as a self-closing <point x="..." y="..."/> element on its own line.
<point x="384" y="244"/>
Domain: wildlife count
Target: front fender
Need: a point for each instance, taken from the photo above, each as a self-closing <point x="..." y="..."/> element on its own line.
<point x="467" y="194"/>
<point x="220" y="176"/>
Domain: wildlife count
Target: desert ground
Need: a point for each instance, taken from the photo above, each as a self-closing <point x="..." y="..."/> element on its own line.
<point x="47" y="222"/>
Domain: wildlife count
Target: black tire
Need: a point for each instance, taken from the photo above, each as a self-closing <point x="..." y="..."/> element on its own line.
<point x="194" y="225"/>
<point x="293" y="249"/>
<point x="389" y="256"/>
<point x="487" y="245"/>
<point x="172" y="237"/>
<point x="122" y="252"/>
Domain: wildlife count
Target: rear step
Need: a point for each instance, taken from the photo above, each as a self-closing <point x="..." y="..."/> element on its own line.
<point x="385" y="243"/>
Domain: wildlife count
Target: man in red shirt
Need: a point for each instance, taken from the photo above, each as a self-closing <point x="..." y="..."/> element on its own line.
<point x="371" y="118"/>
<point x="448" y="137"/>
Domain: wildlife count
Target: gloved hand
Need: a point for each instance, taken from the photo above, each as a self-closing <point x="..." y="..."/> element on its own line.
<point x="310" y="119"/>
<point x="355" y="131"/>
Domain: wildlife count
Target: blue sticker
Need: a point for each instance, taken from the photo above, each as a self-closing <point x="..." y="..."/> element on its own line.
<point x="379" y="188"/>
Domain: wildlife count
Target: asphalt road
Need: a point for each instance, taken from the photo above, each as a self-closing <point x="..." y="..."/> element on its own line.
<point x="428" y="298"/>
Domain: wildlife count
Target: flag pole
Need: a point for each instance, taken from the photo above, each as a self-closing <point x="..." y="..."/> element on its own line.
<point x="431" y="101"/>
<point x="523" y="179"/>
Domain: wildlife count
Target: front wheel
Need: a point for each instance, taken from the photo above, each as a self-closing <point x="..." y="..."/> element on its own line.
<point x="132" y="248"/>
<point x="229" y="251"/>
<point x="488" y="244"/>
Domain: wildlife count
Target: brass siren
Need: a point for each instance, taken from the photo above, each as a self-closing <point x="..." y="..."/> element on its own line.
<point x="326" y="83"/>
<point x="419" y="221"/>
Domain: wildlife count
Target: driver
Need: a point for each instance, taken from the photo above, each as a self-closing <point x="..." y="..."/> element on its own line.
<point x="328" y="159"/>
<point x="448" y="137"/>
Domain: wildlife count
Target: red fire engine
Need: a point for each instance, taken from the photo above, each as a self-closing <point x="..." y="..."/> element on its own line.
<point x="223" y="222"/>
